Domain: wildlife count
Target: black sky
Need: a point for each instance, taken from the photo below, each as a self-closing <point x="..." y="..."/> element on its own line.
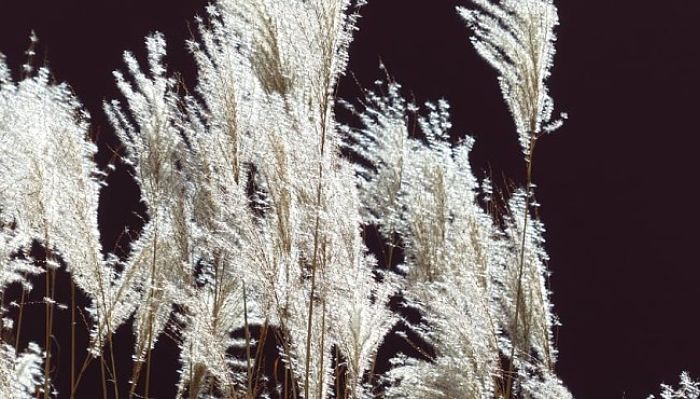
<point x="617" y="184"/>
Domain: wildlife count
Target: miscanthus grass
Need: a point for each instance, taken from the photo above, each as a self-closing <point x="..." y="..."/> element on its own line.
<point x="252" y="257"/>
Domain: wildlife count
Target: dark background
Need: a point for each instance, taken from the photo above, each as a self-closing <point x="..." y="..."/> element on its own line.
<point x="617" y="182"/>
